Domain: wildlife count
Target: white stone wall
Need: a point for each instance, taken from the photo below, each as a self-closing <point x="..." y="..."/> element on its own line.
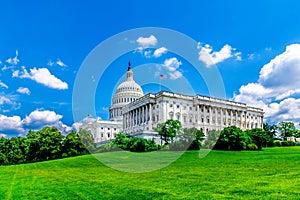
<point x="204" y="113"/>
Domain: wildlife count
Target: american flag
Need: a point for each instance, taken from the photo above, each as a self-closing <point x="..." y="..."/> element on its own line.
<point x="163" y="76"/>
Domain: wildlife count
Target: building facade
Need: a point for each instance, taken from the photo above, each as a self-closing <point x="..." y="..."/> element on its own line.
<point x="202" y="112"/>
<point x="134" y="113"/>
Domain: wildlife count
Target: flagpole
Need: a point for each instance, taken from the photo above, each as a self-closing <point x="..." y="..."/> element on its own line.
<point x="159" y="84"/>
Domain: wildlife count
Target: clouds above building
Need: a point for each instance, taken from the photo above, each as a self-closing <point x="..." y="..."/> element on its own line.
<point x="277" y="89"/>
<point x="211" y="57"/>
<point x="42" y="76"/>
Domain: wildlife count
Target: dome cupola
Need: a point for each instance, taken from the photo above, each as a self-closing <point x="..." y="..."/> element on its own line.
<point x="127" y="92"/>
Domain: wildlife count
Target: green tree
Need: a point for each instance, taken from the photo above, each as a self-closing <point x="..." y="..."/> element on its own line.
<point x="72" y="145"/>
<point x="193" y="137"/>
<point x="270" y="131"/>
<point x="87" y="139"/>
<point x="44" y="144"/>
<point x="211" y="139"/>
<point x="233" y="138"/>
<point x="258" y="136"/>
<point x="287" y="129"/>
<point x="168" y="130"/>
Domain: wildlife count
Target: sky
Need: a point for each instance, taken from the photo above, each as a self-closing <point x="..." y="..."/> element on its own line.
<point x="251" y="47"/>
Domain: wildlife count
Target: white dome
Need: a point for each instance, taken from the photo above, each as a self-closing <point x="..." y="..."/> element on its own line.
<point x="127" y="92"/>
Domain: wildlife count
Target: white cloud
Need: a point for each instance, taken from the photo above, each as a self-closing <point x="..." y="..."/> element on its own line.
<point x="3" y="85"/>
<point x="158" y="52"/>
<point x="3" y="135"/>
<point x="4" y="100"/>
<point x="50" y="63"/>
<point x="23" y="90"/>
<point x="147" y="53"/>
<point x="60" y="63"/>
<point x="175" y="75"/>
<point x="172" y="64"/>
<point x="147" y="41"/>
<point x="13" y="123"/>
<point x="210" y="57"/>
<point x="40" y="118"/>
<point x="42" y="76"/>
<point x="13" y="61"/>
<point x="277" y="87"/>
<point x="57" y="62"/>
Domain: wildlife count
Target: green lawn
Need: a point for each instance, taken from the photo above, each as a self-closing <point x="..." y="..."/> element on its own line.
<point x="273" y="173"/>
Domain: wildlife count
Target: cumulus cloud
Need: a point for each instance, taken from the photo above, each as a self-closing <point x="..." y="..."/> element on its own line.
<point x="3" y="135"/>
<point x="3" y="85"/>
<point x="13" y="61"/>
<point x="158" y="52"/>
<point x="13" y="124"/>
<point x="23" y="90"/>
<point x="36" y="120"/>
<point x="172" y="66"/>
<point x="42" y="76"/>
<point x="147" y="41"/>
<point x="277" y="88"/>
<point x="210" y="57"/>
<point x="175" y="75"/>
<point x="40" y="118"/>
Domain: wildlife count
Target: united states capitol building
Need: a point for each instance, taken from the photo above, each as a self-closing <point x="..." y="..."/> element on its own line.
<point x="134" y="113"/>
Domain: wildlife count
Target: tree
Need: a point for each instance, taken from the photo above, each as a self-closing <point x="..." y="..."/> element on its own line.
<point x="287" y="129"/>
<point x="87" y="139"/>
<point x="168" y="130"/>
<point x="193" y="138"/>
<point x="72" y="145"/>
<point x="44" y="144"/>
<point x="270" y="131"/>
<point x="258" y="136"/>
<point x="233" y="138"/>
<point x="211" y="140"/>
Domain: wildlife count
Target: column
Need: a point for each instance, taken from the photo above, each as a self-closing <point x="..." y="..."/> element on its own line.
<point x="150" y="113"/>
<point x="231" y="116"/>
<point x="143" y="114"/>
<point x="216" y="116"/>
<point x="221" y="117"/>
<point x="241" y="124"/>
<point x="226" y="117"/>
<point x="146" y="114"/>
<point x="210" y="115"/>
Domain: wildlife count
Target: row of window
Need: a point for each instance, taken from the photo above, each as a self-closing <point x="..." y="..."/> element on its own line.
<point x="128" y="88"/>
<point x="124" y="100"/>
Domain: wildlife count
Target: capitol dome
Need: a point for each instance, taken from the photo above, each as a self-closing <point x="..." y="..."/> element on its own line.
<point x="126" y="92"/>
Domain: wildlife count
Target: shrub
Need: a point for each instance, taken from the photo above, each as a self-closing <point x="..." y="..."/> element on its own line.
<point x="277" y="143"/>
<point x="177" y="146"/>
<point x="252" y="146"/>
<point x="288" y="143"/>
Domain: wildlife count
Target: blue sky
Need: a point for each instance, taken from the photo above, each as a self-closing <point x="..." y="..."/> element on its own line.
<point x="253" y="44"/>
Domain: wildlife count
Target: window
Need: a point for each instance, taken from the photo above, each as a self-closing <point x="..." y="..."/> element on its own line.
<point x="115" y="129"/>
<point x="184" y="107"/>
<point x="191" y="108"/>
<point x="101" y="128"/>
<point x="108" y="128"/>
<point x="178" y="106"/>
<point x="108" y="135"/>
<point x="171" y="105"/>
<point x="101" y="134"/>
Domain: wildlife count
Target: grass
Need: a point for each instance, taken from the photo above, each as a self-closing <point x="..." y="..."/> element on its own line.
<point x="273" y="173"/>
